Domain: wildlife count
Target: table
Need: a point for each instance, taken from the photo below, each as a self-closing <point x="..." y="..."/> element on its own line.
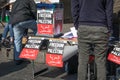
<point x="69" y="50"/>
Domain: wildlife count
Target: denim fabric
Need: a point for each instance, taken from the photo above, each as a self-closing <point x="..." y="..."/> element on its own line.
<point x="19" y="30"/>
<point x="97" y="38"/>
<point x="8" y="28"/>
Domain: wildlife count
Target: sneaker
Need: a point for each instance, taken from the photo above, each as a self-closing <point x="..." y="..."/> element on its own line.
<point x="6" y="43"/>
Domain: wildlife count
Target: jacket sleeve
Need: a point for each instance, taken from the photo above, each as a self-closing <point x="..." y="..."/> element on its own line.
<point x="75" y="12"/>
<point x="109" y="13"/>
<point x="33" y="8"/>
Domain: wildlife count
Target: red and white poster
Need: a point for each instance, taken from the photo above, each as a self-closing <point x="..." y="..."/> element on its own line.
<point x="31" y="49"/>
<point x="54" y="53"/>
<point x="49" y="21"/>
<point x="45" y="29"/>
<point x="29" y="53"/>
<point x="54" y="60"/>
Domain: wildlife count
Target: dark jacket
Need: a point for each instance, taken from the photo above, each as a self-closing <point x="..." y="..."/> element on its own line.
<point x="23" y="10"/>
<point x="2" y="3"/>
<point x="3" y="9"/>
<point x="92" y="12"/>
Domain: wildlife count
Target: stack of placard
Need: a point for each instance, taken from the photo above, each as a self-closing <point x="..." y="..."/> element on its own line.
<point x="54" y="53"/>
<point x="49" y="19"/>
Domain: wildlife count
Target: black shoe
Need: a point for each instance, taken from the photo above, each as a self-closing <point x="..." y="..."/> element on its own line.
<point x="18" y="62"/>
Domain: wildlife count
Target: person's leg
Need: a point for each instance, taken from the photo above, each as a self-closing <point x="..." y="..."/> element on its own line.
<point x="100" y="40"/>
<point x="84" y="52"/>
<point x="11" y="33"/>
<point x="31" y="24"/>
<point x="18" y="34"/>
<point x="83" y="59"/>
<point x="5" y="32"/>
<point x="33" y="27"/>
<point x="26" y="32"/>
<point x="19" y="30"/>
<point x="100" y="60"/>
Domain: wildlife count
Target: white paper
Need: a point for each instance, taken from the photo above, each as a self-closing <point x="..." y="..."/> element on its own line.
<point x="68" y="35"/>
<point x="54" y="1"/>
<point x="11" y="1"/>
<point x="51" y="1"/>
<point x="74" y="31"/>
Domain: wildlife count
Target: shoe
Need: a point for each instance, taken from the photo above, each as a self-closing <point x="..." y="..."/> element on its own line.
<point x="18" y="62"/>
<point x="5" y="43"/>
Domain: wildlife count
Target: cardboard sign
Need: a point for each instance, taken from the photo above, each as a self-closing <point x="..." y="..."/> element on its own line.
<point x="31" y="49"/>
<point x="56" y="47"/>
<point x="54" y="53"/>
<point x="49" y="20"/>
<point x="45" y="29"/>
<point x="116" y="51"/>
<point x="45" y="16"/>
<point x="29" y="53"/>
<point x="54" y="60"/>
<point x="33" y="44"/>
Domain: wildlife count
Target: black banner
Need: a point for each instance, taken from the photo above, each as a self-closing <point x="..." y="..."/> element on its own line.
<point x="56" y="47"/>
<point x="33" y="44"/>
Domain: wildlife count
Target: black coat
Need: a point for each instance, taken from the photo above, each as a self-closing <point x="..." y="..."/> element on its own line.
<point x="23" y="10"/>
<point x="2" y="3"/>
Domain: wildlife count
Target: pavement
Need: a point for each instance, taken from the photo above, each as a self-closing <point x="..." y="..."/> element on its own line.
<point x="10" y="71"/>
<point x="25" y="71"/>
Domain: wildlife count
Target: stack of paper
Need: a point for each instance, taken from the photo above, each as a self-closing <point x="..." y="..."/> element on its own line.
<point x="70" y="34"/>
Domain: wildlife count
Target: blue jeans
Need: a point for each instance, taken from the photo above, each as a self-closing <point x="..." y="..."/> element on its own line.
<point x="19" y="30"/>
<point x="8" y="28"/>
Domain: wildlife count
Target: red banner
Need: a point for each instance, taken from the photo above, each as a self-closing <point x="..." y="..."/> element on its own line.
<point x="114" y="58"/>
<point x="45" y="29"/>
<point x="54" y="60"/>
<point x="29" y="53"/>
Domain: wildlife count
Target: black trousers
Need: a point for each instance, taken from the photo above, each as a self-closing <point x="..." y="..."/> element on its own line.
<point x="97" y="36"/>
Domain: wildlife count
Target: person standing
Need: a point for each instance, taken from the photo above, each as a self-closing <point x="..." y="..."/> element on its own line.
<point x="23" y="16"/>
<point x="93" y="21"/>
<point x="8" y="27"/>
<point x="2" y="11"/>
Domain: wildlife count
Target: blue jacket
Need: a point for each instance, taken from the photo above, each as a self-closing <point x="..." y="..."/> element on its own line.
<point x="92" y="12"/>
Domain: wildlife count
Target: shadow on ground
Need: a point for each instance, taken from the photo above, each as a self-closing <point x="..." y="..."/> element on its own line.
<point x="9" y="67"/>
